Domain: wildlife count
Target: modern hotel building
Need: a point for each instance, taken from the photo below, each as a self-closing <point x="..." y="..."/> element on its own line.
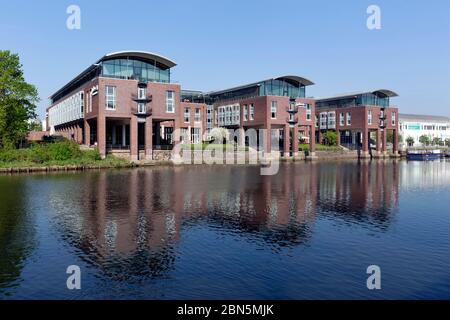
<point x="362" y="121"/>
<point x="415" y="126"/>
<point x="126" y="102"/>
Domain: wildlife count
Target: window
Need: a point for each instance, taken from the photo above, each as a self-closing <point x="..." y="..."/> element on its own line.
<point x="197" y="116"/>
<point x="186" y="115"/>
<point x="195" y="135"/>
<point x="342" y="119"/>
<point x="308" y="111"/>
<point x="252" y="112"/>
<point x="170" y="101"/>
<point x="142" y="92"/>
<point x="245" y="112"/>
<point x="110" y="97"/>
<point x="349" y="118"/>
<point x="141" y="107"/>
<point x="273" y="110"/>
<point x="369" y="117"/>
<point x="393" y="118"/>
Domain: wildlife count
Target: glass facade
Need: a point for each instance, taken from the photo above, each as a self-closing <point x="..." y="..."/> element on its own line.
<point x="281" y="88"/>
<point x="366" y="99"/>
<point x="135" y="69"/>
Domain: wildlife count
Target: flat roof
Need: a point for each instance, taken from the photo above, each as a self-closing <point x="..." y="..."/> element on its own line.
<point x="422" y="117"/>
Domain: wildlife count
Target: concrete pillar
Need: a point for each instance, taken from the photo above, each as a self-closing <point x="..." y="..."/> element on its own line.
<point x="124" y="135"/>
<point x="101" y="135"/>
<point x="87" y="133"/>
<point x="148" y="139"/>
<point x="134" y="148"/>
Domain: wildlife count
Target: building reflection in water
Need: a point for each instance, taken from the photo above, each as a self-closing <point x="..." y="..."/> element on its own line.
<point x="128" y="223"/>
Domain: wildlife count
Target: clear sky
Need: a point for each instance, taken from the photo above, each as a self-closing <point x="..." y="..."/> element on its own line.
<point x="219" y="43"/>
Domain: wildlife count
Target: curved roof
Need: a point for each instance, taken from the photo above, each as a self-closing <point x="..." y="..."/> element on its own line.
<point x="387" y="93"/>
<point x="297" y="79"/>
<point x="139" y="54"/>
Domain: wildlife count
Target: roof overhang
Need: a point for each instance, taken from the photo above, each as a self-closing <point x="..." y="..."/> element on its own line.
<point x="296" y="79"/>
<point x="139" y="54"/>
<point x="386" y="93"/>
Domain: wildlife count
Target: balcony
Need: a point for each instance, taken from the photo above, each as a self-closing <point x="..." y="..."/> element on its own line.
<point x="382" y="124"/>
<point x="145" y="99"/>
<point x="292" y="109"/>
<point x="146" y="113"/>
<point x="292" y="120"/>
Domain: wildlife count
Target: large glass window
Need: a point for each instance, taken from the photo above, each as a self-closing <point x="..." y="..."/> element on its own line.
<point x="252" y="112"/>
<point x="135" y="69"/>
<point x="349" y="118"/>
<point x="308" y="112"/>
<point x="110" y="97"/>
<point x="369" y="117"/>
<point x="393" y="118"/>
<point x="245" y="112"/>
<point x="170" y="101"/>
<point x="141" y="107"/>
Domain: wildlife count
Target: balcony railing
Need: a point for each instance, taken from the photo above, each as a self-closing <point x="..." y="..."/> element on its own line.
<point x="292" y="120"/>
<point x="147" y="98"/>
<point x="292" y="109"/>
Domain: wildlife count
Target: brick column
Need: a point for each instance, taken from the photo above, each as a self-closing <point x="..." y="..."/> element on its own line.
<point x="134" y="152"/>
<point x="148" y="139"/>
<point x="338" y="137"/>
<point x="312" y="140"/>
<point x="241" y="136"/>
<point x="395" y="146"/>
<point x="101" y="135"/>
<point x="384" y="135"/>
<point x="365" y="142"/>
<point x="380" y="143"/>
<point x="87" y="133"/>
<point x="286" y="136"/>
<point x="268" y="139"/>
<point x="295" y="142"/>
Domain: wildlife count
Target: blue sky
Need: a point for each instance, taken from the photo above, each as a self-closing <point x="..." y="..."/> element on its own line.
<point x="219" y="44"/>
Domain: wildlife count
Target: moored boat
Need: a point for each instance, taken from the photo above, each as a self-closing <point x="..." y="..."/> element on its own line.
<point x="424" y="155"/>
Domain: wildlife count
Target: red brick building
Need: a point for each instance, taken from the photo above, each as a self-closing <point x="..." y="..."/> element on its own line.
<point x="363" y="121"/>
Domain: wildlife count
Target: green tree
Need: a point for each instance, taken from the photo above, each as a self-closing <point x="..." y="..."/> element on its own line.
<point x="410" y="141"/>
<point x="329" y="138"/>
<point x="425" y="140"/>
<point x="17" y="100"/>
<point x="437" y="141"/>
<point x="447" y="142"/>
<point x="35" y="125"/>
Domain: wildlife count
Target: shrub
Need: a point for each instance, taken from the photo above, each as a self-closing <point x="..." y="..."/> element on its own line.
<point x="64" y="150"/>
<point x="92" y="155"/>
<point x="330" y="138"/>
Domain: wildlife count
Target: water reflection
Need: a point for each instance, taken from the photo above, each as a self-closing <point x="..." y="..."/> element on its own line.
<point x="17" y="230"/>
<point x="128" y="223"/>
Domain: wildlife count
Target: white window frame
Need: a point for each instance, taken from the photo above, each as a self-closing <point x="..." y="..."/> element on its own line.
<point x="369" y="117"/>
<point x="252" y="112"/>
<point x="141" y="107"/>
<point x="393" y="118"/>
<point x="170" y="101"/>
<point x="349" y="119"/>
<point x="308" y="112"/>
<point x="198" y="115"/>
<point x="187" y="115"/>
<point x="273" y="109"/>
<point x="342" y="119"/>
<point x="245" y="112"/>
<point x="110" y="97"/>
<point x="142" y="92"/>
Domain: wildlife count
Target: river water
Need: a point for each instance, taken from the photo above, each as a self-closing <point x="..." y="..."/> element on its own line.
<point x="226" y="232"/>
